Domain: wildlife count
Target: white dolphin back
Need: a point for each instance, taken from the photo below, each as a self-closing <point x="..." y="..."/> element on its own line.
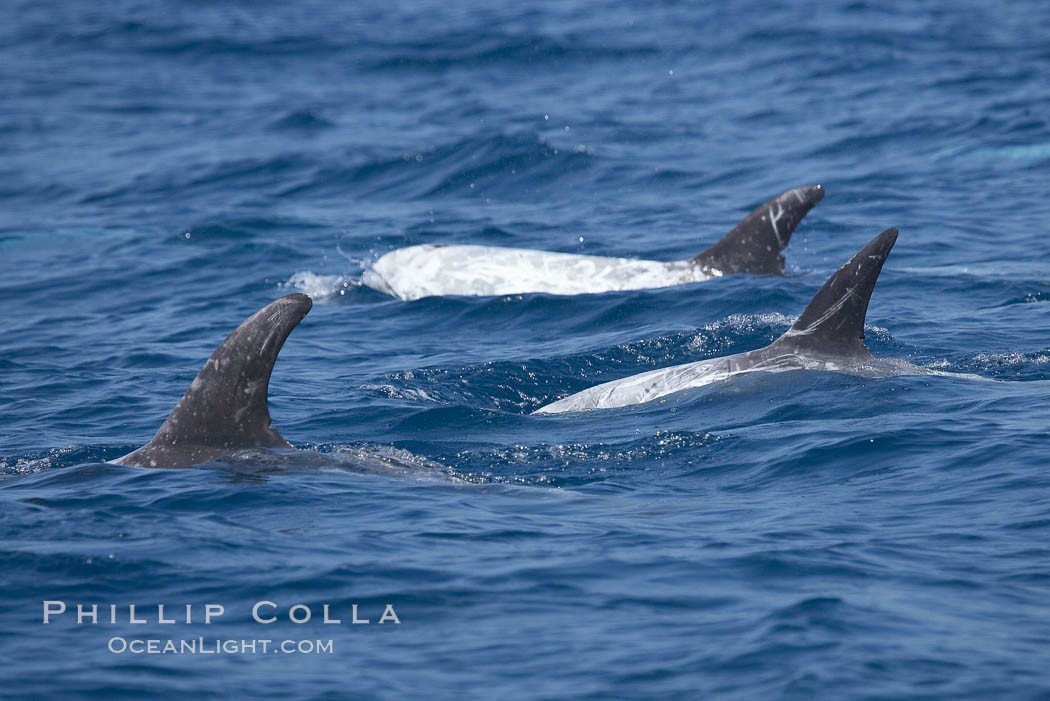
<point x="428" y="270"/>
<point x="654" y="384"/>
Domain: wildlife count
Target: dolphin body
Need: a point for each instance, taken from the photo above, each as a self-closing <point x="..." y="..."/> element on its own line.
<point x="828" y="336"/>
<point x="753" y="246"/>
<point x="225" y="409"/>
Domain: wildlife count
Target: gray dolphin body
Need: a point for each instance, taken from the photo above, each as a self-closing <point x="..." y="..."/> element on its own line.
<point x="828" y="336"/>
<point x="753" y="246"/>
<point x="225" y="409"/>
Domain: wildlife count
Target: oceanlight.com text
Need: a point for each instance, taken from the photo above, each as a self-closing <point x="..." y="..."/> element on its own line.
<point x="214" y="646"/>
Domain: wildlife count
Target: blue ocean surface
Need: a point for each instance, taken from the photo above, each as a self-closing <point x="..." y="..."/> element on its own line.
<point x="166" y="169"/>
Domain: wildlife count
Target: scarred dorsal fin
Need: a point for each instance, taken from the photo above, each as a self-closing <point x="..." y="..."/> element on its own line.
<point x="754" y="245"/>
<point x="225" y="408"/>
<point x="833" y="323"/>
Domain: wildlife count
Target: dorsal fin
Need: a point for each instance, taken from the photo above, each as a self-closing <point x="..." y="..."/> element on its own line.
<point x="225" y="408"/>
<point x="754" y="245"/>
<point x="833" y="323"/>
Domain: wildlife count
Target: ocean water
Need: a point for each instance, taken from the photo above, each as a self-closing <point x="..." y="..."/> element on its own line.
<point x="168" y="168"/>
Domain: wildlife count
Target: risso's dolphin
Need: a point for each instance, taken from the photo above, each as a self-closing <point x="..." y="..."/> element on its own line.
<point x="753" y="246"/>
<point x="828" y="336"/>
<point x="225" y="409"/>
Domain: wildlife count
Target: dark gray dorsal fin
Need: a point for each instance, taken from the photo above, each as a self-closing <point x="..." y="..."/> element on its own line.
<point x="833" y="323"/>
<point x="754" y="245"/>
<point x="225" y="409"/>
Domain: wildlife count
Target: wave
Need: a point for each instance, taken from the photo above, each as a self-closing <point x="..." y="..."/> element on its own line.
<point x="489" y="165"/>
